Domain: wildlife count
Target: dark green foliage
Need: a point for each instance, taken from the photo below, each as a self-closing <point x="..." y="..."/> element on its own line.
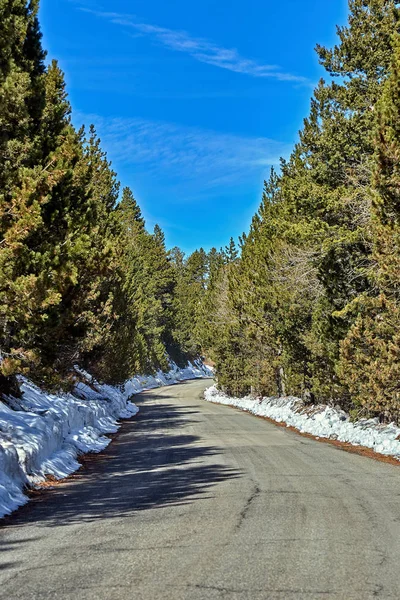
<point x="311" y="305"/>
<point x="191" y="282"/>
<point x="308" y="303"/>
<point x="370" y="354"/>
<point x="81" y="280"/>
<point x="149" y="285"/>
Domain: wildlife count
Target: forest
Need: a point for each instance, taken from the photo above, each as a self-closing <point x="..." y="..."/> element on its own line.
<point x="82" y="281"/>
<point x="310" y="305"/>
<point x="307" y="303"/>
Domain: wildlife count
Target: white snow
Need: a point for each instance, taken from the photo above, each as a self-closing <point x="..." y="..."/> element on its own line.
<point x="175" y="374"/>
<point x="320" y="421"/>
<point x="42" y="434"/>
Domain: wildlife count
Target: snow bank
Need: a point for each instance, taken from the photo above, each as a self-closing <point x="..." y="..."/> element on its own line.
<point x="42" y="434"/>
<point x="320" y="421"/>
<point x="193" y="370"/>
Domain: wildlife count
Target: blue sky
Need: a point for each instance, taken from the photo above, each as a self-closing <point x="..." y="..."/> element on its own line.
<point x="193" y="100"/>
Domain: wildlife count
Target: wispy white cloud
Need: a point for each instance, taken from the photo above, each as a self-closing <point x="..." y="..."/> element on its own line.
<point x="96" y="74"/>
<point x="200" y="49"/>
<point x="190" y="157"/>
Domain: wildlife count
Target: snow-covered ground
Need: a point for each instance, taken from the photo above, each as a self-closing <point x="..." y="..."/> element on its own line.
<point x="320" y="421"/>
<point x="42" y="434"/>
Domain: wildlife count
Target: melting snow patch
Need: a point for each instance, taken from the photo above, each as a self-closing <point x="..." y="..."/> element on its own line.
<point x="320" y="421"/>
<point x="42" y="434"/>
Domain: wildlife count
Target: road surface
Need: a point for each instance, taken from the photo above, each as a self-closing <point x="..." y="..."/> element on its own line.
<point x="199" y="501"/>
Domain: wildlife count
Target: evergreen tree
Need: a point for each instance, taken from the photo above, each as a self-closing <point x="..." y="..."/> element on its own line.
<point x="231" y="252"/>
<point x="370" y="354"/>
<point x="22" y="94"/>
<point x="149" y="285"/>
<point x="21" y="102"/>
<point x="159" y="236"/>
<point x="326" y="182"/>
<point x="191" y="283"/>
<point x="53" y="257"/>
<point x="308" y="253"/>
<point x="81" y="280"/>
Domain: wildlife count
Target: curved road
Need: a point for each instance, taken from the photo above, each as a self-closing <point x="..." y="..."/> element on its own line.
<point x="196" y="501"/>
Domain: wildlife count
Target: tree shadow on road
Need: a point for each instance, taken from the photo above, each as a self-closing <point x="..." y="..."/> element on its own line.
<point x="154" y="462"/>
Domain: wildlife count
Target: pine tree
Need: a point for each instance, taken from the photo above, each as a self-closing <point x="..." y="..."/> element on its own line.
<point x="159" y="235"/>
<point x="326" y="181"/>
<point x="22" y="94"/>
<point x="130" y="214"/>
<point x="54" y="259"/>
<point x="309" y="249"/>
<point x="149" y="286"/>
<point x="191" y="283"/>
<point x="81" y="280"/>
<point x="29" y="171"/>
<point x="370" y="354"/>
<point x="231" y="252"/>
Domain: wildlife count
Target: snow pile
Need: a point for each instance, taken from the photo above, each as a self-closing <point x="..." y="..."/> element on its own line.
<point x="195" y="370"/>
<point x="320" y="421"/>
<point x="42" y="434"/>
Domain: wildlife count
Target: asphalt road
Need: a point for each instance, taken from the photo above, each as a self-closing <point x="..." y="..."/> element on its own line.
<point x="198" y="501"/>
